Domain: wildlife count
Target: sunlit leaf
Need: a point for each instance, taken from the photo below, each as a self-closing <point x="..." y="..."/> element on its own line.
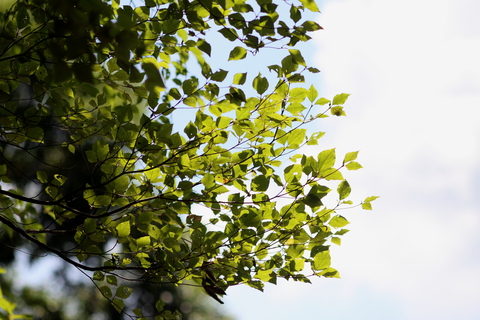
<point x="238" y="53"/>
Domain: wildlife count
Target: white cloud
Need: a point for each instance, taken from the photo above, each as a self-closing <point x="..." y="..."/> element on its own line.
<point x="412" y="69"/>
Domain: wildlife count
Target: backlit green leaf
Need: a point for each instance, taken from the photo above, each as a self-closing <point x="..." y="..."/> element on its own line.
<point x="338" y="222"/>
<point x="321" y="260"/>
<point x="297" y="57"/>
<point x="310" y="5"/>
<point x="143" y="241"/>
<point x="118" y="304"/>
<point x="353" y="165"/>
<point x="260" y="84"/>
<point x="326" y="160"/>
<point x="337" y="240"/>
<point x="340" y="98"/>
<point x="123" y="229"/>
<point x="260" y="183"/>
<point x="123" y="292"/>
<point x="344" y="189"/>
<point x="312" y="94"/>
<point x="238" y="53"/>
<point x="106" y="292"/>
<point x="112" y="280"/>
<point x="219" y="75"/>
<point x="41" y="176"/>
<point x="229" y="33"/>
<point x="350" y="156"/>
<point x="204" y="46"/>
<point x="240" y="78"/>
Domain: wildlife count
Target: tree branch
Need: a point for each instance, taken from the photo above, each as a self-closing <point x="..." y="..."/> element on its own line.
<point x="60" y="254"/>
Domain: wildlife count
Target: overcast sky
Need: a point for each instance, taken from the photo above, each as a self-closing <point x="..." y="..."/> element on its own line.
<point x="413" y="71"/>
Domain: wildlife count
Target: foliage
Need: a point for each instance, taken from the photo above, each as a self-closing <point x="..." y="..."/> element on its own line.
<point x="94" y="171"/>
<point x="7" y="307"/>
<point x="80" y="301"/>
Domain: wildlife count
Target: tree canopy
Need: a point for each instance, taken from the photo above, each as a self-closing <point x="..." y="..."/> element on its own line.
<point x="94" y="171"/>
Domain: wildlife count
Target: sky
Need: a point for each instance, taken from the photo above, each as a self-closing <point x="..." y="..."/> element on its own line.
<point x="413" y="71"/>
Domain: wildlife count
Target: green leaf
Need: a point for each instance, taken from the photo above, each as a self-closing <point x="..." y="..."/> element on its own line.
<point x="311" y="26"/>
<point x="102" y="201"/>
<point x="260" y="183"/>
<point x="353" y="165"/>
<point x="52" y="191"/>
<point x="204" y="46"/>
<point x="295" y="108"/>
<point x="106" y="292"/>
<point x="322" y="101"/>
<point x="297" y="57"/>
<point x="60" y="179"/>
<point x="136" y="311"/>
<point x="344" y="189"/>
<point x="372" y="198"/>
<point x="312" y="200"/>
<point x="321" y="260"/>
<point x="35" y="134"/>
<point x="267" y="276"/>
<point x="98" y="276"/>
<point x="340" y="98"/>
<point x="154" y="77"/>
<point x="29" y="68"/>
<point x="310" y="5"/>
<point x="341" y="232"/>
<point x="237" y="20"/>
<point x="298" y="94"/>
<point x="123" y="229"/>
<point x="41" y="176"/>
<point x="337" y="111"/>
<point x="337" y="240"/>
<point x="260" y="84"/>
<point x="159" y="305"/>
<point x="229" y="33"/>
<point x="289" y="65"/>
<point x="143" y="241"/>
<point x="366" y="205"/>
<point x="338" y="222"/>
<point x="332" y="174"/>
<point x="296" y="138"/>
<point x="90" y="225"/>
<point x="112" y="280"/>
<point x="296" y="78"/>
<point x="219" y="75"/>
<point x="295" y="13"/>
<point x="238" y="53"/>
<point x="350" y="156"/>
<point x="312" y="94"/>
<point x="240" y="78"/>
<point x="329" y="273"/>
<point x="118" y="304"/>
<point x="326" y="160"/>
<point x="189" y="85"/>
<point x="123" y="292"/>
<point x="256" y="285"/>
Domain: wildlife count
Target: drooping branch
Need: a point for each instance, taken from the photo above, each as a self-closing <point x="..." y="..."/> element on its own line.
<point x="59" y="253"/>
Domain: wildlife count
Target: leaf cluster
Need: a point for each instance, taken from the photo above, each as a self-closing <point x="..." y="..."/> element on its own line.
<point x="87" y="94"/>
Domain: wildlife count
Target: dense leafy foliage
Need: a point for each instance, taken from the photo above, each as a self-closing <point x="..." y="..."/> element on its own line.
<point x="90" y="157"/>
